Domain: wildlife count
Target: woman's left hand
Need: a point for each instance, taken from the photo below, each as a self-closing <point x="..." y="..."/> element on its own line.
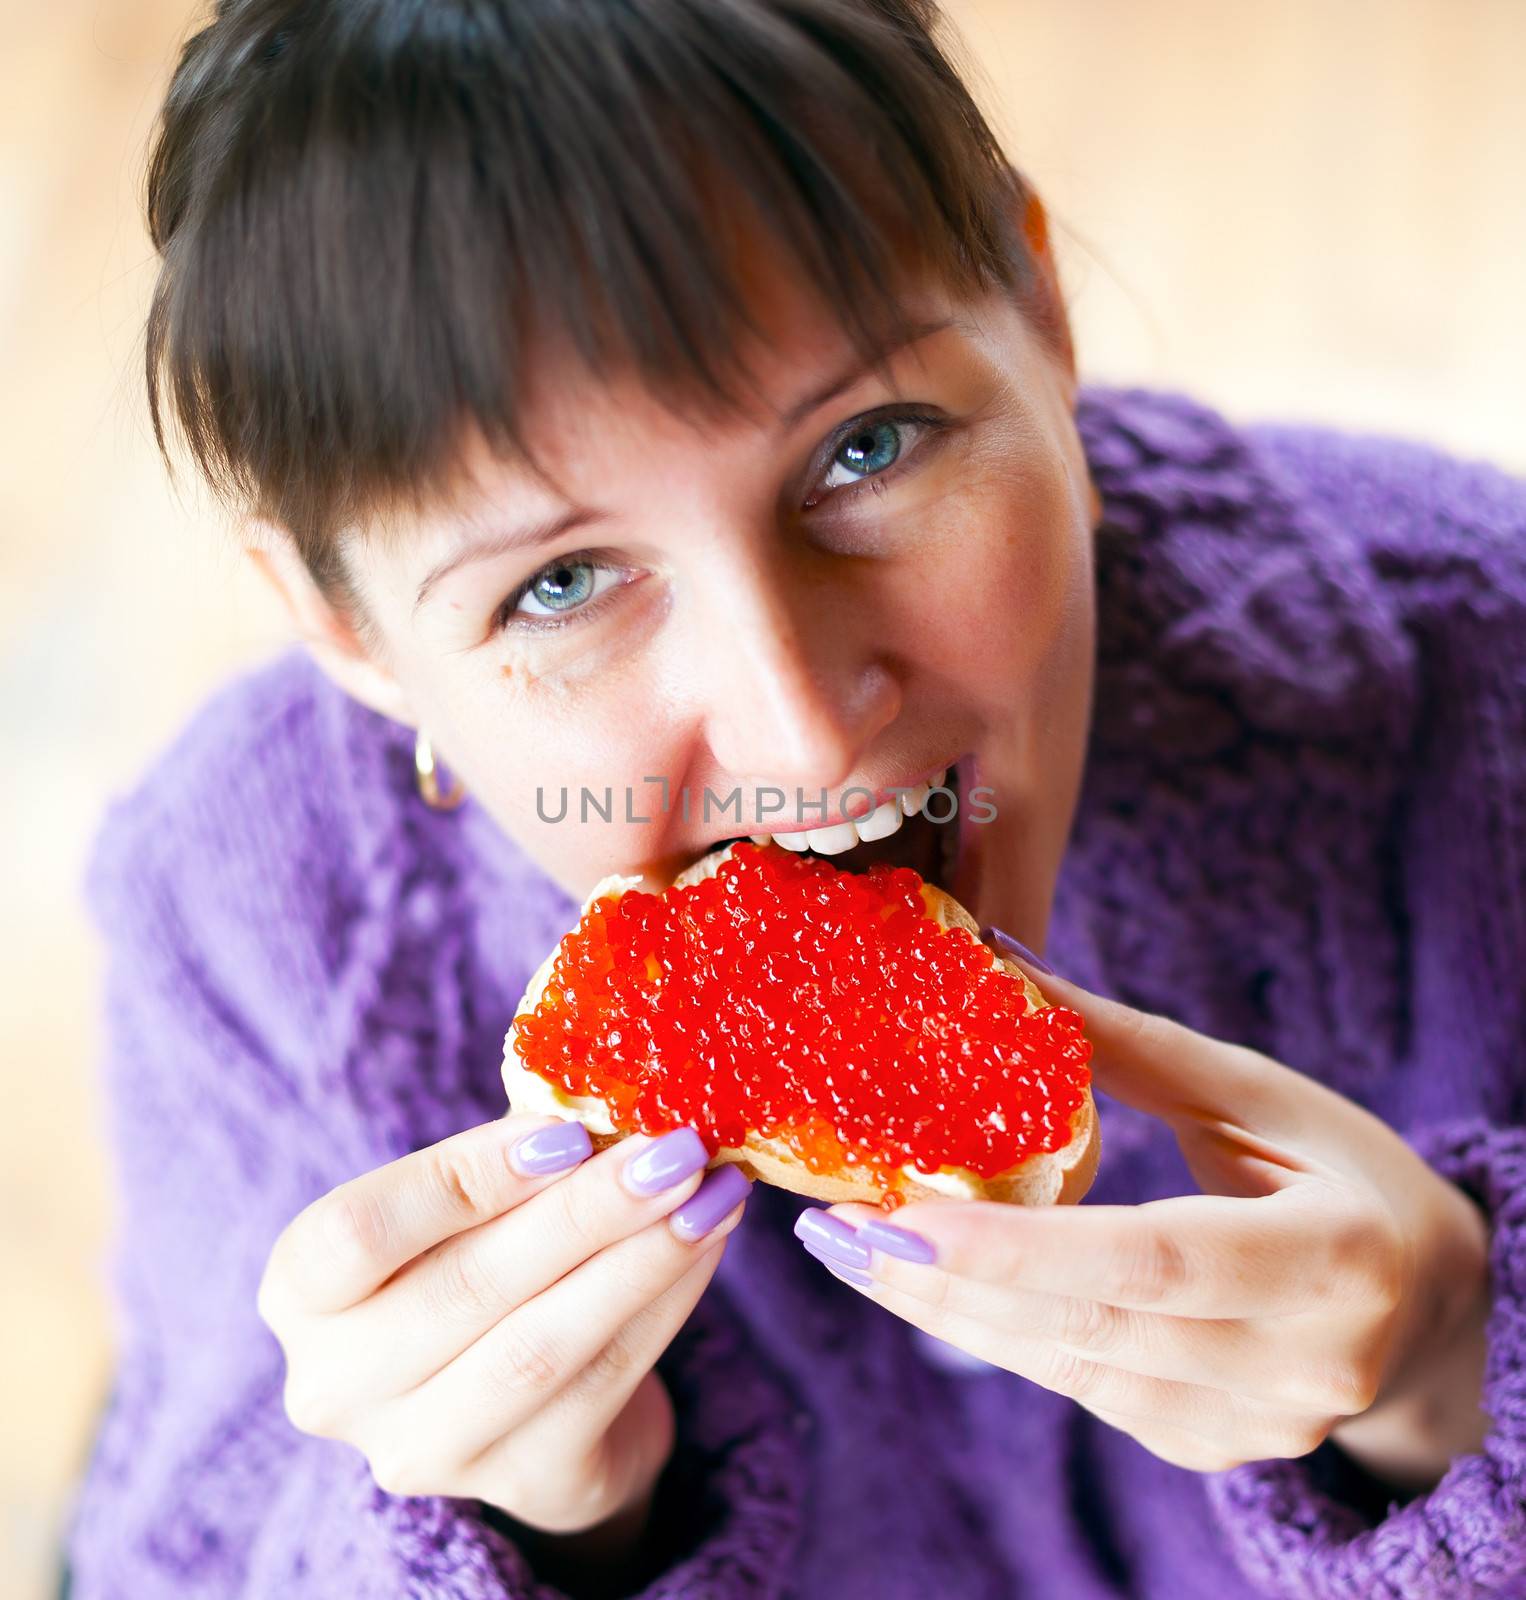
<point x="1325" y="1282"/>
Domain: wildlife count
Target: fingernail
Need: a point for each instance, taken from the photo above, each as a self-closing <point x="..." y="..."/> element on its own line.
<point x="831" y="1235"/>
<point x="1014" y="947"/>
<point x="665" y="1162"/>
<point x="716" y="1198"/>
<point x="860" y="1280"/>
<point x="550" y="1149"/>
<point x="896" y="1241"/>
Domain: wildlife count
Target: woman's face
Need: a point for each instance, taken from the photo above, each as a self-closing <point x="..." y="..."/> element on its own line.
<point x="855" y="587"/>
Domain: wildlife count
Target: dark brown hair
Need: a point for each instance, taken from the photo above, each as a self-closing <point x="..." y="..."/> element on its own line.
<point x="367" y="209"/>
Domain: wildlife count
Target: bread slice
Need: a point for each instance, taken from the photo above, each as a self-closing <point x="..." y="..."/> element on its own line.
<point x="1058" y="1177"/>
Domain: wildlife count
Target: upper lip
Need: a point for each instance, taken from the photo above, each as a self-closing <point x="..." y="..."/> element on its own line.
<point x="778" y="825"/>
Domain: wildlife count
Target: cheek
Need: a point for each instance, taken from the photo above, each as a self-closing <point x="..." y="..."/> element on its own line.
<point x="1013" y="588"/>
<point x="536" y="747"/>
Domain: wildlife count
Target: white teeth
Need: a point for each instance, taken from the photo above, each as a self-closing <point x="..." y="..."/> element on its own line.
<point x="834" y="840"/>
<point x="881" y="822"/>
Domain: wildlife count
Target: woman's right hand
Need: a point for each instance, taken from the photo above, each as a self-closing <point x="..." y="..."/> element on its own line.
<point x="480" y="1318"/>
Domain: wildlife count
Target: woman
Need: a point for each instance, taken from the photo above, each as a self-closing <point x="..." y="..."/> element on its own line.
<point x="671" y="393"/>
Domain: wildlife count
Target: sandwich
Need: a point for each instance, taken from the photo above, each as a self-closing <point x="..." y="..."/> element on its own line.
<point x="844" y="1034"/>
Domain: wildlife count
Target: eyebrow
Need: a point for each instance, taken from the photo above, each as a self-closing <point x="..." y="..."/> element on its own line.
<point x="532" y="535"/>
<point x="914" y="333"/>
<point x="505" y="540"/>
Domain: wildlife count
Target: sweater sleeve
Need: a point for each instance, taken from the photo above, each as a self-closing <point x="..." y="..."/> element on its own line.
<point x="1318" y="1527"/>
<point x="1448" y="541"/>
<point x="197" y="1484"/>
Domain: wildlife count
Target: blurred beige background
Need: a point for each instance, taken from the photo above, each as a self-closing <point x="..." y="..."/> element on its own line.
<point x="1292" y="208"/>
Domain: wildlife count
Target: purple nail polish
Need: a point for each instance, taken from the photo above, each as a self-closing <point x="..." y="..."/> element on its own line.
<point x="1014" y="947"/>
<point x="831" y="1234"/>
<point x="715" y="1199"/>
<point x="665" y="1162"/>
<point x="860" y="1280"/>
<point x="896" y="1241"/>
<point x="550" y="1149"/>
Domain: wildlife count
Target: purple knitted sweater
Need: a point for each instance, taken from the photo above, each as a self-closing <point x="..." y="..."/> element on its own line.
<point x="1302" y="827"/>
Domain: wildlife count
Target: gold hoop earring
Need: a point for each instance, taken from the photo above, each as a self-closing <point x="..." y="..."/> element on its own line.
<point x="428" y="778"/>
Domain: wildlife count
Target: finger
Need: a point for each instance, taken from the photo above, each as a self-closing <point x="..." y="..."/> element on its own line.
<point x="1217" y="1416"/>
<point x="1170" y="1071"/>
<point x="1180" y="1446"/>
<point x="348" y="1242"/>
<point x="388" y="1347"/>
<point x="1130" y="1394"/>
<point x="1299" y="1364"/>
<point x="571" y="1424"/>
<point x="1304" y="1248"/>
<point x="446" y="1299"/>
<point x="1262" y="1434"/>
<point x="1220" y="1353"/>
<point x="525" y="1360"/>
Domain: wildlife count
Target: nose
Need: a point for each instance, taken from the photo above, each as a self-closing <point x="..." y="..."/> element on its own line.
<point x="793" y="684"/>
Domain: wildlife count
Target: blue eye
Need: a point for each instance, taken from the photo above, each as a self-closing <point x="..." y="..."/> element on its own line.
<point x="872" y="446"/>
<point x="567" y="590"/>
<point x="870" y="450"/>
<point x="560" y="589"/>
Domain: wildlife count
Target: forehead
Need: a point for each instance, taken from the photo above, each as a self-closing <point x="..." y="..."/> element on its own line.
<point x="798" y="344"/>
<point x="787" y="337"/>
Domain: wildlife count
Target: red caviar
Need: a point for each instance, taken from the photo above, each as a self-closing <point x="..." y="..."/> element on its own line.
<point x="790" y="999"/>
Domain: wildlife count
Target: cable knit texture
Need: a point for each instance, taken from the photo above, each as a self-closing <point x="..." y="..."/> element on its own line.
<point x="1302" y="827"/>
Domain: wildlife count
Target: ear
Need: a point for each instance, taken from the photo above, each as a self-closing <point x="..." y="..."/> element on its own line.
<point x="328" y="633"/>
<point x="1050" y="311"/>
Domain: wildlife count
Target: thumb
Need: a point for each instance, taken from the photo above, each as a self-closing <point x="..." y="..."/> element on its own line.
<point x="1165" y="1069"/>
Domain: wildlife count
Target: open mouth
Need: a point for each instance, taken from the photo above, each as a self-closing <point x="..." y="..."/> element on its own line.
<point x="930" y="848"/>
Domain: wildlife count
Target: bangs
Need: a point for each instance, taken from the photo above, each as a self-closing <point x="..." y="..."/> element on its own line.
<point x="371" y="213"/>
